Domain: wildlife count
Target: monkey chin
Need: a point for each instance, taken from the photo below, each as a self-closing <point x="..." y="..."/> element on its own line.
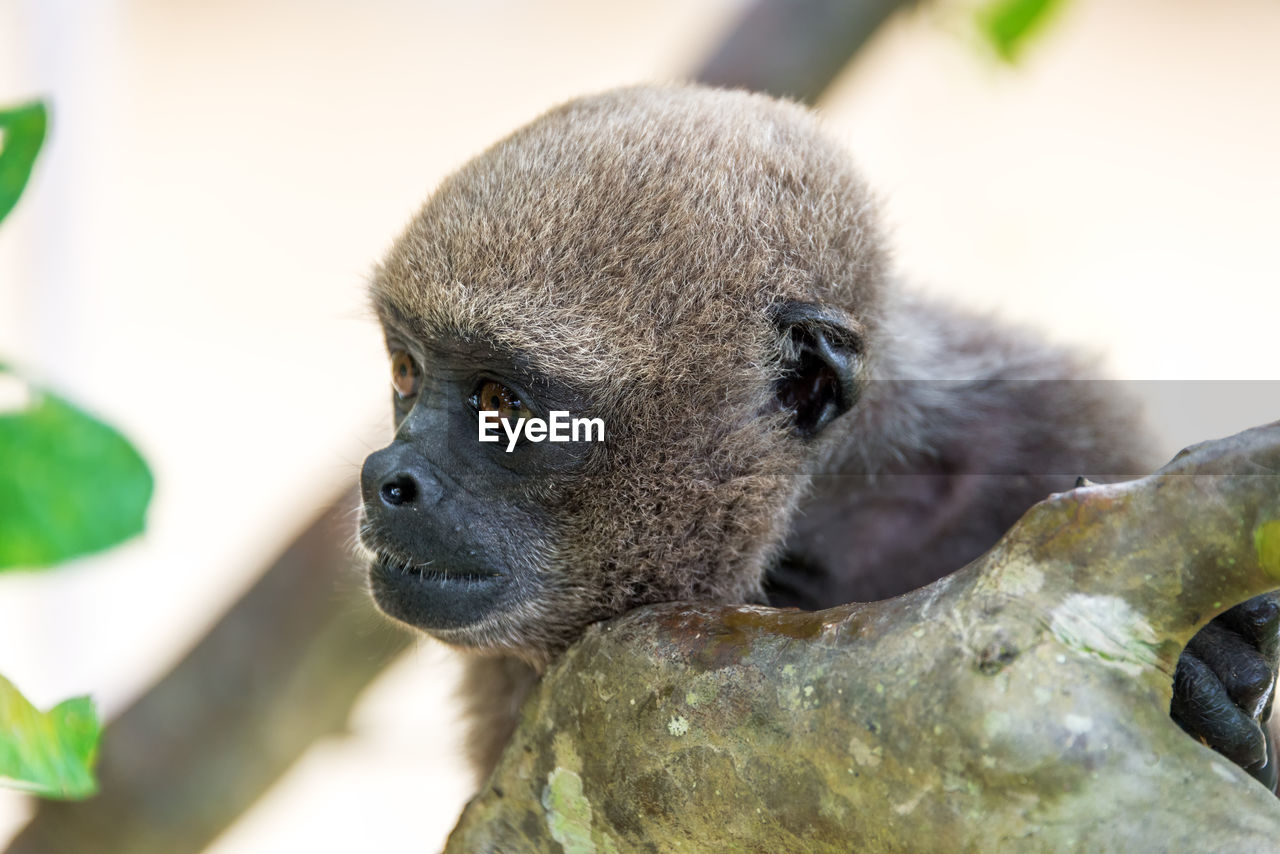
<point x="438" y="602"/>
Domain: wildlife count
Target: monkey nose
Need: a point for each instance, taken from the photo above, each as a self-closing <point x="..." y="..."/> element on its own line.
<point x="407" y="488"/>
<point x="400" y="489"/>
<point x="395" y="479"/>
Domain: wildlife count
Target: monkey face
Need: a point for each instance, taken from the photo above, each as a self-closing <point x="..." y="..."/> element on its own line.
<point x="697" y="269"/>
<point x="460" y="530"/>
<point x="518" y="544"/>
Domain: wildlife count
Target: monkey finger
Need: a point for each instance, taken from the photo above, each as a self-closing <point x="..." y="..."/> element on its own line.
<point x="1201" y="707"/>
<point x="1269" y="774"/>
<point x="1257" y="621"/>
<point x="1243" y="671"/>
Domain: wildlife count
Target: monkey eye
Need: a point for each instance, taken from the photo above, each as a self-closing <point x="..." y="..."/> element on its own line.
<point x="493" y="396"/>
<point x="404" y="374"/>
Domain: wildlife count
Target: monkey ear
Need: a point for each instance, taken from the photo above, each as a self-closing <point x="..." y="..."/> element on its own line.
<point x="821" y="352"/>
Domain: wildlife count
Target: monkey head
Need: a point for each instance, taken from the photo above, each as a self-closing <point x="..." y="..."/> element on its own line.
<point x="700" y="270"/>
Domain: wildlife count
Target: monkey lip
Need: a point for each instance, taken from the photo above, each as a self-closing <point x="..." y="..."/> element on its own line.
<point x="434" y="599"/>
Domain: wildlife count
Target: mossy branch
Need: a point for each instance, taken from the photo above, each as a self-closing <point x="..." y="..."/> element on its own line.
<point x="1021" y="701"/>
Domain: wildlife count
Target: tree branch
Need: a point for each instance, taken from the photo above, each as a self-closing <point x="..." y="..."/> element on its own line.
<point x="794" y="48"/>
<point x="1022" y="701"/>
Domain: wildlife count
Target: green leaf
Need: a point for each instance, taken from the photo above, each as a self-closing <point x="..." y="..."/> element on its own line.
<point x="51" y="753"/>
<point x="22" y="132"/>
<point x="69" y="484"/>
<point x="1008" y="24"/>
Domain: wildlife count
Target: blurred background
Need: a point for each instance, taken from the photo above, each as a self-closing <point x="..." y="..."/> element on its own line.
<point x="189" y="261"/>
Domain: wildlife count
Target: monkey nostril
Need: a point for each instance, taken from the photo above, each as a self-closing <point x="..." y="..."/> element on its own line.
<point x="399" y="490"/>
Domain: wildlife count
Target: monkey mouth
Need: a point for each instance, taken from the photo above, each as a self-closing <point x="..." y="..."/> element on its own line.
<point x="390" y="563"/>
<point x="434" y="599"/>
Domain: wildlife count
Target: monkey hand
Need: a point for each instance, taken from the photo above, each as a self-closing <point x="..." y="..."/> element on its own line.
<point x="1224" y="685"/>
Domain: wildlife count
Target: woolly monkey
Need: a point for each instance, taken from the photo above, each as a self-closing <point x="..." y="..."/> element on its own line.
<point x="701" y="270"/>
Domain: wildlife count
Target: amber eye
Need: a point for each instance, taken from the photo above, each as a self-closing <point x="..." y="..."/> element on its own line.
<point x="404" y="374"/>
<point x="491" y="396"/>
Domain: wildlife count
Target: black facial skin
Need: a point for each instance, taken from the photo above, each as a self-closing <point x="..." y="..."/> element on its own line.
<point x="456" y="524"/>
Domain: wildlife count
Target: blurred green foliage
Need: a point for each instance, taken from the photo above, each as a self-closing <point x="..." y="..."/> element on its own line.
<point x="1008" y="24"/>
<point x="49" y="753"/>
<point x="23" y="133"/>
<point x="69" y="485"/>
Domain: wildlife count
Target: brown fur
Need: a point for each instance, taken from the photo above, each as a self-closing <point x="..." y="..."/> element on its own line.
<point x="633" y="244"/>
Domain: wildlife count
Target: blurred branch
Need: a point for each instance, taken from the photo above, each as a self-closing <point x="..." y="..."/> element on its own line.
<point x="281" y="669"/>
<point x="795" y="48"/>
